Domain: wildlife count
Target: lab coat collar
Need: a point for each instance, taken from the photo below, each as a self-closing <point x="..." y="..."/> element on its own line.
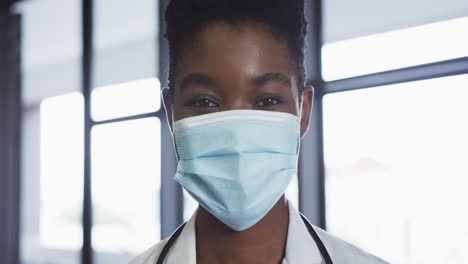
<point x="300" y="246"/>
<point x="184" y="249"/>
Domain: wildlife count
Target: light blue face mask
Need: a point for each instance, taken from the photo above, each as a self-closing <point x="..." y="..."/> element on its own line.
<point x="237" y="164"/>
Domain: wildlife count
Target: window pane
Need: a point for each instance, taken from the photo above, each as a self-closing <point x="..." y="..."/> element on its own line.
<point x="396" y="49"/>
<point x="127" y="99"/>
<point x="396" y="172"/>
<point x="52" y="132"/>
<point x="52" y="189"/>
<point x="126" y="187"/>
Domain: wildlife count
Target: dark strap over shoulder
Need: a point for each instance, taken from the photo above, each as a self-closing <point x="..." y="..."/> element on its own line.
<point x="168" y="245"/>
<point x="320" y="245"/>
<point x="318" y="241"/>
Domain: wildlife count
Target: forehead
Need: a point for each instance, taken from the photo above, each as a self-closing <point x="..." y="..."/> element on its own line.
<point x="235" y="52"/>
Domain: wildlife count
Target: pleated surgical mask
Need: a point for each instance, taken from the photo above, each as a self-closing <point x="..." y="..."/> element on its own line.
<point x="237" y="164"/>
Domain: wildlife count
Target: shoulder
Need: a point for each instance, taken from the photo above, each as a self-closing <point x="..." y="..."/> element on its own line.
<point x="150" y="255"/>
<point x="343" y="252"/>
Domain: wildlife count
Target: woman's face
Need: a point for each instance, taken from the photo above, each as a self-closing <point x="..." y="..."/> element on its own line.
<point x="230" y="68"/>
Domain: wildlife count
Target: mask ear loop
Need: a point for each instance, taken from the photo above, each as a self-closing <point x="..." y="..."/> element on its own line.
<point x="170" y="123"/>
<point x="299" y="115"/>
<point x="298" y="148"/>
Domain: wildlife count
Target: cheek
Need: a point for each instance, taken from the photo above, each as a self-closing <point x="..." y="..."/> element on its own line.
<point x="292" y="108"/>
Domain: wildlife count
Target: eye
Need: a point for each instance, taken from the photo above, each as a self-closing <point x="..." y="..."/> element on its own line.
<point x="269" y="101"/>
<point x="202" y="102"/>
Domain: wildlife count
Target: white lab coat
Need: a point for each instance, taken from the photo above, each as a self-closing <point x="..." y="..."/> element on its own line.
<point x="300" y="247"/>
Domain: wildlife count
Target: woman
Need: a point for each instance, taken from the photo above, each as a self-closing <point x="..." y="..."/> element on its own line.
<point x="238" y="106"/>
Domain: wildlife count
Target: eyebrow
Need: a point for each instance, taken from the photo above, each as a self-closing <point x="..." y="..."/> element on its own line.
<point x="197" y="79"/>
<point x="273" y="77"/>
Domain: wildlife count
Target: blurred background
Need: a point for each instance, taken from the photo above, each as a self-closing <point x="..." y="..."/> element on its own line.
<point x="86" y="160"/>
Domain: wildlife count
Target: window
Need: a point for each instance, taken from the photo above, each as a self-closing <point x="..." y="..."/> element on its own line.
<point x="126" y="180"/>
<point x="394" y="153"/>
<point x="125" y="139"/>
<point x="61" y="184"/>
<point x="52" y="187"/>
<point x="396" y="170"/>
<point x="52" y="132"/>
<point x="127" y="99"/>
<point x="363" y="37"/>
<point x="126" y="136"/>
<point x="126" y="168"/>
<point x="395" y="49"/>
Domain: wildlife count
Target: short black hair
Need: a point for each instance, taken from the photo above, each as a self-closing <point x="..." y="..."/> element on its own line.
<point x="186" y="18"/>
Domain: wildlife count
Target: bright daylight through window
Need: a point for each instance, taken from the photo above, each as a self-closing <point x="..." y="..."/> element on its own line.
<point x="395" y="49"/>
<point x="396" y="171"/>
<point x="125" y="172"/>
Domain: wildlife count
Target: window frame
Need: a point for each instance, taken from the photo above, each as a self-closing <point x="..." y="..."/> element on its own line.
<point x="10" y="136"/>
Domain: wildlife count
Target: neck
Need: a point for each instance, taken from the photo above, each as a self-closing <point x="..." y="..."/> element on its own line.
<point x="265" y="242"/>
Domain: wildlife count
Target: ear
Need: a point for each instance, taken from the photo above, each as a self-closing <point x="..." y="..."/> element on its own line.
<point x="168" y="101"/>
<point x="306" y="109"/>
